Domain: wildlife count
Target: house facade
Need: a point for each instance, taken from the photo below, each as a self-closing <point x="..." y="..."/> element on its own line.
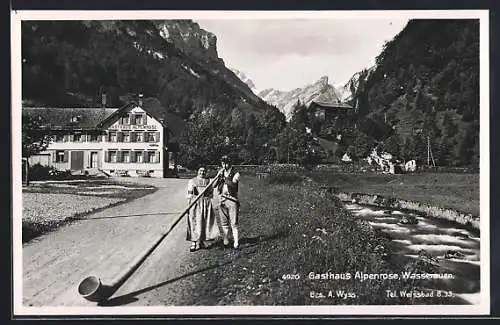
<point x="329" y="108"/>
<point x="331" y="112"/>
<point x="126" y="141"/>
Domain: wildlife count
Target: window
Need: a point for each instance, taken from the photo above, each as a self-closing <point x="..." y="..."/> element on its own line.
<point x="151" y="157"/>
<point x="59" y="137"/>
<point x="78" y="138"/>
<point x="126" y="156"/>
<point x="60" y="156"/>
<point x="125" y="120"/>
<point x="94" y="137"/>
<point x="151" y="137"/>
<point x="112" y="137"/>
<point x="112" y="156"/>
<point x="138" y="156"/>
<point x="138" y="137"/>
<point x="126" y="137"/>
<point x="138" y="119"/>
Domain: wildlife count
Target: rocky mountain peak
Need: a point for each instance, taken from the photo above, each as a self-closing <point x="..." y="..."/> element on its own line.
<point x="243" y="77"/>
<point x="323" y="81"/>
<point x="286" y="100"/>
<point x="190" y="38"/>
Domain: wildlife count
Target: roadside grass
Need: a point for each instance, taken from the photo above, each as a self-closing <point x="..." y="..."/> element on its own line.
<point x="48" y="206"/>
<point x="289" y="230"/>
<point x="445" y="190"/>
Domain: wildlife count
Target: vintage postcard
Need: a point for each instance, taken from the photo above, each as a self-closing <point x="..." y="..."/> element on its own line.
<point x="308" y="163"/>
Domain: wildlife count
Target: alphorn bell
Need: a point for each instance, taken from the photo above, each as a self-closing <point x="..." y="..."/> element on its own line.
<point x="92" y="289"/>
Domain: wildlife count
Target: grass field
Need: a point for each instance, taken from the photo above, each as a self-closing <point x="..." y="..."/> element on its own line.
<point x="446" y="190"/>
<point x="291" y="231"/>
<point x="42" y="202"/>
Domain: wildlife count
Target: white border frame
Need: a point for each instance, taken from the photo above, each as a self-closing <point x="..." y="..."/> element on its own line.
<point x="481" y="309"/>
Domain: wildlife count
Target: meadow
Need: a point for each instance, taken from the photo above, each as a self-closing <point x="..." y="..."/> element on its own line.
<point x="50" y="205"/>
<point x="300" y="247"/>
<point x="457" y="191"/>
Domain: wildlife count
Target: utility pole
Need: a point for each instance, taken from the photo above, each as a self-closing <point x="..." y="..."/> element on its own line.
<point x="429" y="153"/>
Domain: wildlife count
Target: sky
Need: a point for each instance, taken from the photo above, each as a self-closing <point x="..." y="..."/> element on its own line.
<point x="286" y="54"/>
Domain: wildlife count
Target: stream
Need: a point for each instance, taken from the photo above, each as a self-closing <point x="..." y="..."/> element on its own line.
<point x="451" y="247"/>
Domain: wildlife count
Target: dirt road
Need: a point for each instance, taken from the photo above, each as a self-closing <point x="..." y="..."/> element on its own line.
<point x="104" y="243"/>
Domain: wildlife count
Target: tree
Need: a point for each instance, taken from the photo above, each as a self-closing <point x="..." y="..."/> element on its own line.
<point x="408" y="151"/>
<point x="362" y="144"/>
<point x="34" y="139"/>
<point x="299" y="118"/>
<point x="393" y="145"/>
<point x="307" y="151"/>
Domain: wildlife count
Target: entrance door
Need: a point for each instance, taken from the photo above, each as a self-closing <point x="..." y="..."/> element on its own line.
<point x="76" y="160"/>
<point x="93" y="159"/>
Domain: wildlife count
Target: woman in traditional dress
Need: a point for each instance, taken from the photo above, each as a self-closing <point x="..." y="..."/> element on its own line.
<point x="201" y="226"/>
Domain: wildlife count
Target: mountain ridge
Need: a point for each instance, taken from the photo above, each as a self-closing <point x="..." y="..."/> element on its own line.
<point x="285" y="101"/>
<point x="175" y="61"/>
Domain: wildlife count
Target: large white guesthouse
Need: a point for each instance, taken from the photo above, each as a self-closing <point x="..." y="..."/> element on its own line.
<point x="126" y="141"/>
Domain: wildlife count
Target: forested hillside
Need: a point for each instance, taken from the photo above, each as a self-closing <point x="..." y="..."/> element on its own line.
<point x="173" y="63"/>
<point x="425" y="85"/>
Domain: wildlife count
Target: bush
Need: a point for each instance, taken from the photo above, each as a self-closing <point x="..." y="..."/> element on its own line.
<point x="39" y="172"/>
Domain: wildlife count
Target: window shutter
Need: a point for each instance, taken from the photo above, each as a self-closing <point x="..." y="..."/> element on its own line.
<point x="157" y="155"/>
<point x="119" y="136"/>
<point x="66" y="156"/>
<point x="145" y="137"/>
<point x="118" y="156"/>
<point x="71" y="137"/>
<point x="144" y="119"/>
<point x="54" y="156"/>
<point x="132" y="119"/>
<point x="132" y="156"/>
<point x="132" y="136"/>
<point x="157" y="137"/>
<point x="108" y="137"/>
<point x="120" y="120"/>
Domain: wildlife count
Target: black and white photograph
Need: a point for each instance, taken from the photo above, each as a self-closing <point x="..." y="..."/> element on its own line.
<point x="250" y="163"/>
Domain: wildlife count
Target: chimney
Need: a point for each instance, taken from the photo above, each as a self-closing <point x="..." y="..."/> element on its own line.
<point x="103" y="100"/>
<point x="140" y="99"/>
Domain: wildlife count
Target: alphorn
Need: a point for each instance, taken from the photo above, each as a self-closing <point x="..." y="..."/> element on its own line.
<point x="92" y="289"/>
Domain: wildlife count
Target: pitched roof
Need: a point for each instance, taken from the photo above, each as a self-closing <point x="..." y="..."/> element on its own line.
<point x="68" y="118"/>
<point x="152" y="106"/>
<point x="329" y="99"/>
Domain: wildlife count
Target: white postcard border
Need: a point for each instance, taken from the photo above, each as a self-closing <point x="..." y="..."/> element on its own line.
<point x="481" y="309"/>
